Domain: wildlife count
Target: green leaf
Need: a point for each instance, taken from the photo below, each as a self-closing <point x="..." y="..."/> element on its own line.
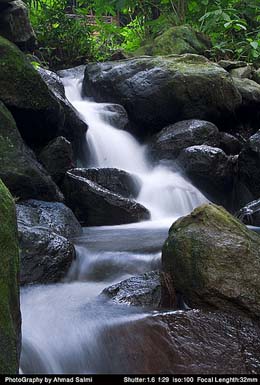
<point x="254" y="44"/>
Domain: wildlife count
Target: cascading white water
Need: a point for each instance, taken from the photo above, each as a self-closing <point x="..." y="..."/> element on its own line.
<point x="164" y="192"/>
<point x="68" y="328"/>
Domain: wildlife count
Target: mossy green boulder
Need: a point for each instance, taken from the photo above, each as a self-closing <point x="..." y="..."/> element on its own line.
<point x="214" y="261"/>
<point x="176" y="40"/>
<point x="37" y="112"/>
<point x="19" y="169"/>
<point x="10" y="319"/>
<point x="162" y="90"/>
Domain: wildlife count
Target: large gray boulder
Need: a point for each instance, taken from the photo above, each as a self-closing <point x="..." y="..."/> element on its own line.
<point x="169" y="142"/>
<point x="15" y="24"/>
<point x="157" y="91"/>
<point x="19" y="169"/>
<point x="54" y="216"/>
<point x="10" y="318"/>
<point x="45" y="256"/>
<point x="214" y="261"/>
<point x="96" y="205"/>
<point x="210" y="169"/>
<point x="191" y="343"/>
<point x="44" y="229"/>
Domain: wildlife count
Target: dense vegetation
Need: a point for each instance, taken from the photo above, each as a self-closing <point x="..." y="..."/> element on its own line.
<point x="233" y="26"/>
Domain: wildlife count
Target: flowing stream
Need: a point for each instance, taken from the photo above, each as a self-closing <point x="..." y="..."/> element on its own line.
<point x="68" y="327"/>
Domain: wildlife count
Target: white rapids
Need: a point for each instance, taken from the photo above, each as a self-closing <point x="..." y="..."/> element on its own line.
<point x="67" y="327"/>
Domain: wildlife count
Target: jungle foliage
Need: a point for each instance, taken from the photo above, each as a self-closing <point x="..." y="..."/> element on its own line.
<point x="232" y="25"/>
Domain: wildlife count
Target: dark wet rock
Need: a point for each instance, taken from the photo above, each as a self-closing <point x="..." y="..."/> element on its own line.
<point x="210" y="169"/>
<point x="15" y="25"/>
<point x="116" y="115"/>
<point x="46" y="253"/>
<point x="190" y="343"/>
<point x="248" y="165"/>
<point x="140" y="290"/>
<point x="36" y="110"/>
<point x="45" y="256"/>
<point x="229" y="144"/>
<point x="178" y="40"/>
<point x="95" y="205"/>
<point x="118" y="181"/>
<point x="19" y="169"/>
<point x="158" y="91"/>
<point x="250" y="214"/>
<point x="214" y="261"/>
<point x="248" y="113"/>
<point x="57" y="157"/>
<point x="74" y="128"/>
<point x="53" y="216"/>
<point x="169" y="142"/>
<point x="10" y="318"/>
<point x="229" y="65"/>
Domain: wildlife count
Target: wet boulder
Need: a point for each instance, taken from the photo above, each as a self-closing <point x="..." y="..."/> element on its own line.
<point x="116" y="115"/>
<point x="139" y="290"/>
<point x="169" y="142"/>
<point x="19" y="168"/>
<point x="74" y="128"/>
<point x="248" y="112"/>
<point x="118" y="181"/>
<point x="214" y="261"/>
<point x="158" y="91"/>
<point x="57" y="157"/>
<point x="36" y="110"/>
<point x="248" y="165"/>
<point x="191" y="342"/>
<point x="229" y="143"/>
<point x="250" y="213"/>
<point x="210" y="169"/>
<point x="45" y="256"/>
<point x="178" y="40"/>
<point x="15" y="25"/>
<point x="53" y="216"/>
<point x="10" y="318"/>
<point x="44" y="229"/>
<point x="95" y="205"/>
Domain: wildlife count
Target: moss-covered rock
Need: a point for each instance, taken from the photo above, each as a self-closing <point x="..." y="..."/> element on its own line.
<point x="36" y="110"/>
<point x="214" y="260"/>
<point x="157" y="91"/>
<point x="19" y="169"/>
<point x="15" y="25"/>
<point x="176" y="40"/>
<point x="9" y="290"/>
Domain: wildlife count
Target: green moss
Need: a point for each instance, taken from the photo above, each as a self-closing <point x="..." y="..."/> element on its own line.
<point x="176" y="40"/>
<point x="9" y="291"/>
<point x="20" y="84"/>
<point x="214" y="259"/>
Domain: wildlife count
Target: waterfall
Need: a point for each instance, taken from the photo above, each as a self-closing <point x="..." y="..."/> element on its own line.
<point x="165" y="193"/>
<point x="67" y="327"/>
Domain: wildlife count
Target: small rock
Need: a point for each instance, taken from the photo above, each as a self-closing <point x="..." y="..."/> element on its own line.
<point x="140" y="290"/>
